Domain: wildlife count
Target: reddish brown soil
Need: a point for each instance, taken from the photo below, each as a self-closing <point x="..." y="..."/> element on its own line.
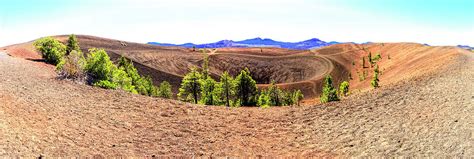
<point x="423" y="108"/>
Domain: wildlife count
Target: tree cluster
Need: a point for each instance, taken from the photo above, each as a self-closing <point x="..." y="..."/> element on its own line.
<point x="331" y="93"/>
<point x="274" y="96"/>
<point x="199" y="87"/>
<point x="97" y="69"/>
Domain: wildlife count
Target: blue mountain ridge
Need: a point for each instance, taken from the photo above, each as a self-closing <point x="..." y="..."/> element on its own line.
<point x="467" y="47"/>
<point x="256" y="42"/>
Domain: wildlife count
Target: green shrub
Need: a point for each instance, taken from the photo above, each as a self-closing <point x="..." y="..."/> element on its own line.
<point x="344" y="89"/>
<point x="150" y="88"/>
<point x="377" y="57"/>
<point x="51" y="49"/>
<point x="209" y="94"/>
<point x="288" y="98"/>
<point x="297" y="97"/>
<point x="375" y="79"/>
<point x="246" y="88"/>
<point x="120" y="77"/>
<point x="143" y="85"/>
<point x="105" y="84"/>
<point x="164" y="90"/>
<point x="99" y="66"/>
<point x="329" y="93"/>
<point x="72" y="44"/>
<point x="190" y="86"/>
<point x="72" y="66"/>
<point x="276" y="94"/>
<point x="264" y="99"/>
<point x="101" y="69"/>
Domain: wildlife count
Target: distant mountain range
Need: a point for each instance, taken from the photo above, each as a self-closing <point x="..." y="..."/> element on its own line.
<point x="256" y="42"/>
<point x="466" y="47"/>
<point x="259" y="42"/>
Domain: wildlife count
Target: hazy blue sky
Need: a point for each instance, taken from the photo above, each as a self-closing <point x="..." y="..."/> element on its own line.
<point x="438" y="22"/>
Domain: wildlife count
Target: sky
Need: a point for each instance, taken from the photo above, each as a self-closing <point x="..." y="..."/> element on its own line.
<point x="435" y="22"/>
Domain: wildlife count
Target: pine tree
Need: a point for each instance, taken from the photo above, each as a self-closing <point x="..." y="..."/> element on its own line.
<point x="370" y="58"/>
<point x="190" y="86"/>
<point x="164" y="91"/>
<point x="264" y="99"/>
<point x="72" y="44"/>
<point x="329" y="92"/>
<point x="208" y="91"/>
<point x="377" y="57"/>
<point x="127" y="65"/>
<point x="375" y="79"/>
<point x="297" y="97"/>
<point x="275" y="94"/>
<point x="363" y="62"/>
<point x="344" y="89"/>
<point x="227" y="88"/>
<point x="246" y="88"/>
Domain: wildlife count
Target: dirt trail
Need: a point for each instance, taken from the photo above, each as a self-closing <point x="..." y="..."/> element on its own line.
<point x="426" y="116"/>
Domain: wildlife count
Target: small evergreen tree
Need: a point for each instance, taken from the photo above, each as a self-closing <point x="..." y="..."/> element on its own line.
<point x="275" y="94"/>
<point x="227" y="86"/>
<point x="264" y="99"/>
<point x="72" y="44"/>
<point x="375" y="79"/>
<point x="377" y="57"/>
<point x="329" y="92"/>
<point x="190" y="86"/>
<point x="369" y="57"/>
<point x="287" y="98"/>
<point x="297" y="97"/>
<point x="99" y="66"/>
<point x="344" y="89"/>
<point x="208" y="92"/>
<point x="205" y="67"/>
<point x="363" y="62"/>
<point x="164" y="90"/>
<point x="246" y="88"/>
<point x="142" y="85"/>
<point x="123" y="81"/>
<point x="151" y="89"/>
